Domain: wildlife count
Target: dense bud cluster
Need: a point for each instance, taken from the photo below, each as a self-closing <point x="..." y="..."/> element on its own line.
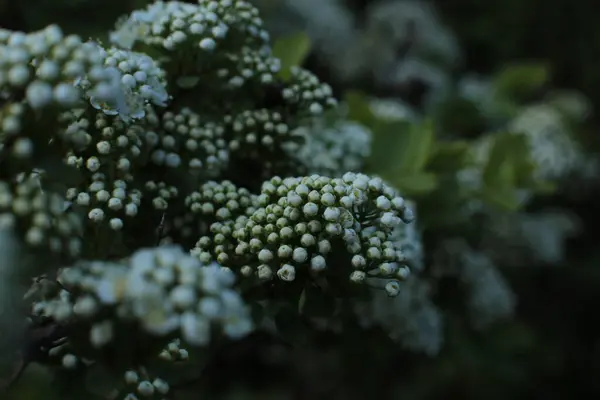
<point x="260" y="134"/>
<point x="489" y="297"/>
<point x="411" y="318"/>
<point x="141" y="82"/>
<point x="211" y="202"/>
<point x="44" y="65"/>
<point x="555" y="153"/>
<point x="188" y="141"/>
<point x="39" y="217"/>
<point x="302" y="223"/>
<point x="333" y="150"/>
<point x="180" y="121"/>
<point x="164" y="290"/>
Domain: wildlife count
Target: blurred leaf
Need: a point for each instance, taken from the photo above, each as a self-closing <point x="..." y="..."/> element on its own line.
<point x="460" y="116"/>
<point x="500" y="169"/>
<point x="503" y="197"/>
<point x="449" y="156"/>
<point x="359" y="109"/>
<point x="291" y="51"/>
<point x="508" y="169"/>
<point x="400" y="151"/>
<point x="544" y="187"/>
<point x="520" y="81"/>
<point x="388" y="139"/>
<point x="417" y="184"/>
<point x="417" y="149"/>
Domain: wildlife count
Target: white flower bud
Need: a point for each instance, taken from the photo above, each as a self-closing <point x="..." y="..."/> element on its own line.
<point x="287" y="273"/>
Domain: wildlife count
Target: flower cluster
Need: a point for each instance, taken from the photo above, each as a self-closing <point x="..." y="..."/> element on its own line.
<point x="333" y="150"/>
<point x="411" y="318"/>
<point x="163" y="290"/>
<point x="489" y="297"/>
<point x="303" y="224"/>
<point x="555" y="153"/>
<point x="39" y="217"/>
<point x="524" y="238"/>
<point x="185" y="120"/>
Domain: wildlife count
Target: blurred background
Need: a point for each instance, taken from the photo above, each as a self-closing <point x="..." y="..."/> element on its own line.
<point x="439" y="59"/>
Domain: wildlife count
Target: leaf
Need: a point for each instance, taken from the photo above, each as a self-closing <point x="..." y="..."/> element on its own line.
<point x="388" y="139"/>
<point x="508" y="170"/>
<point x="519" y="81"/>
<point x="416" y="149"/>
<point x="505" y="198"/>
<point x="499" y="170"/>
<point x="448" y="157"/>
<point x="359" y="109"/>
<point x="416" y="185"/>
<point x="291" y="51"/>
<point x="461" y="117"/>
<point x="544" y="187"/>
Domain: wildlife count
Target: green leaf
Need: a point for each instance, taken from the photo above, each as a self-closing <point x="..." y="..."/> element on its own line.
<point x="508" y="169"/>
<point x="503" y="197"/>
<point x="416" y="185"/>
<point x="359" y="109"/>
<point x="544" y="187"/>
<point x="461" y="117"/>
<point x="449" y="157"/>
<point x="291" y="51"/>
<point x="416" y="149"/>
<point x="500" y="167"/>
<point x="388" y="141"/>
<point x="519" y="81"/>
<point x="399" y="153"/>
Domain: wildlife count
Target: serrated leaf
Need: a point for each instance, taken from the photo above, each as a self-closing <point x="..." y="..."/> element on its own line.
<point x="518" y="81"/>
<point x="291" y="51"/>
